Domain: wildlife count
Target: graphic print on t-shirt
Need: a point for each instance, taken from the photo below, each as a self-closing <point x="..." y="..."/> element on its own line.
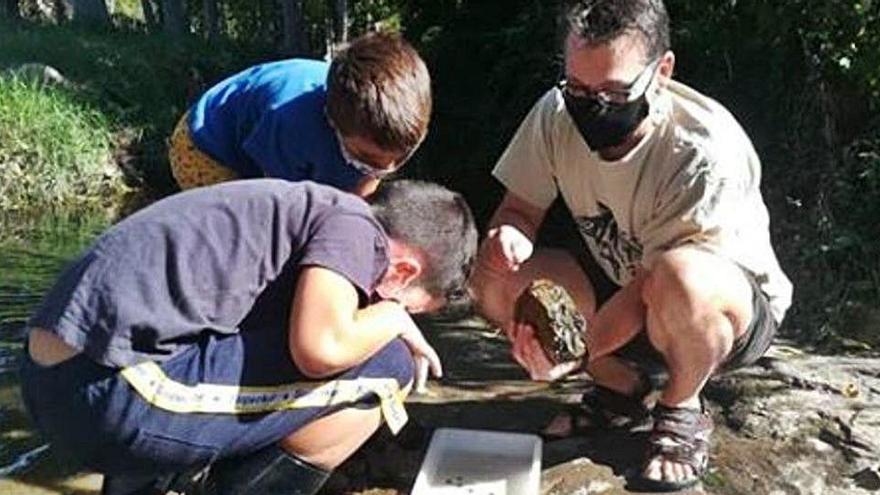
<point x="616" y="250"/>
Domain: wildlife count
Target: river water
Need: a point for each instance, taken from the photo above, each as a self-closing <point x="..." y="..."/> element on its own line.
<point x="33" y="249"/>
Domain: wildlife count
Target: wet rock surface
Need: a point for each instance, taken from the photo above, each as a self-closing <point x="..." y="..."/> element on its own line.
<point x="794" y="423"/>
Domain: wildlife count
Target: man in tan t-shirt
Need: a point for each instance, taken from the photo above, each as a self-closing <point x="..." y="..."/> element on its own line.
<point x="663" y="185"/>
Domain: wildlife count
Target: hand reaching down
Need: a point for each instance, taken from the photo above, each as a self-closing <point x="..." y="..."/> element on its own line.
<point x="425" y="357"/>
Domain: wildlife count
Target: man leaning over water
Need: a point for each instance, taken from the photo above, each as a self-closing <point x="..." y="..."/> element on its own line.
<point x="258" y="327"/>
<point x="664" y="187"/>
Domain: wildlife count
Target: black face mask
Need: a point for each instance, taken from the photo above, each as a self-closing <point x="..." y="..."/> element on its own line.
<point x="604" y="125"/>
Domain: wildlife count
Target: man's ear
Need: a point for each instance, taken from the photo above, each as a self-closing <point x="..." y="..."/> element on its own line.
<point x="667" y="65"/>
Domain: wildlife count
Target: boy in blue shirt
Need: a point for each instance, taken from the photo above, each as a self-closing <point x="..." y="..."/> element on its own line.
<point x="346" y="124"/>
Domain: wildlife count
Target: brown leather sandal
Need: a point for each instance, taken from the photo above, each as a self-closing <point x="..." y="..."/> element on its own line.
<point x="680" y="435"/>
<point x="603" y="408"/>
<point x="607" y="408"/>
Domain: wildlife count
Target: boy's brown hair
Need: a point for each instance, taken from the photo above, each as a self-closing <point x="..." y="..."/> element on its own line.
<point x="437" y="222"/>
<point x="379" y="88"/>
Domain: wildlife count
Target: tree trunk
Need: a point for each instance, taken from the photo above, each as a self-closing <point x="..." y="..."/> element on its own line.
<point x="151" y="13"/>
<point x="293" y="39"/>
<point x="212" y="19"/>
<point x="174" y="17"/>
<point x="60" y="11"/>
<point x="340" y="21"/>
<point x="90" y="12"/>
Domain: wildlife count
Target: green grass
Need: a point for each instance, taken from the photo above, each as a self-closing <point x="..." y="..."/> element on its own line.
<point x="130" y="87"/>
<point x="55" y="149"/>
<point x="142" y="78"/>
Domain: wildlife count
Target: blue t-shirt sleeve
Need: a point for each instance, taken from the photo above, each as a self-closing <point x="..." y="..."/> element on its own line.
<point x="351" y="245"/>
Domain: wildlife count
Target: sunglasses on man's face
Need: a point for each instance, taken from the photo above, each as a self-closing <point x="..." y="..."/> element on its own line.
<point x="620" y="96"/>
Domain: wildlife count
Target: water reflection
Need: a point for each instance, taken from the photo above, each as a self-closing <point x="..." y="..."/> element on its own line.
<point x="33" y="249"/>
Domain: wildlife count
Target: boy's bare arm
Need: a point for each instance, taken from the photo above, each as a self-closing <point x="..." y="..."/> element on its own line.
<point x="328" y="333"/>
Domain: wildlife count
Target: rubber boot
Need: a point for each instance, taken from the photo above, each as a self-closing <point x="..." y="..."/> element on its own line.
<point x="134" y="485"/>
<point x="271" y="471"/>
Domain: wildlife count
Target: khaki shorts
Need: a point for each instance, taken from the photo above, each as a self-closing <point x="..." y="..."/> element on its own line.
<point x="190" y="166"/>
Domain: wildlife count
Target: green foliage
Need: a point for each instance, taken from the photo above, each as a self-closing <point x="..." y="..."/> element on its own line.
<point x="489" y="62"/>
<point x="385" y="14"/>
<point x="250" y="22"/>
<point x="851" y="206"/>
<point x="840" y="267"/>
<point x="142" y="79"/>
<point x="843" y="37"/>
<point x="802" y="76"/>
<point x="258" y="22"/>
<point x="142" y="83"/>
<point x="130" y="9"/>
<point x="54" y="147"/>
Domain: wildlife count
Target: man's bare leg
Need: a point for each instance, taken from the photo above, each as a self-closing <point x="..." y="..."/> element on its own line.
<point x="697" y="305"/>
<point x="616" y="374"/>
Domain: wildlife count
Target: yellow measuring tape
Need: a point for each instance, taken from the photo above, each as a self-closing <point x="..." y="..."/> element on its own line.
<point x="151" y="382"/>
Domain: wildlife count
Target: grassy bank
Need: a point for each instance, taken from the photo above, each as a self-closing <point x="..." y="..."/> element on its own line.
<point x="122" y="92"/>
<point x="55" y="148"/>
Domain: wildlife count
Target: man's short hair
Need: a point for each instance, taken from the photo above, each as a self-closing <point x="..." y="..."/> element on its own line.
<point x="379" y="88"/>
<point x="600" y="21"/>
<point x="438" y="223"/>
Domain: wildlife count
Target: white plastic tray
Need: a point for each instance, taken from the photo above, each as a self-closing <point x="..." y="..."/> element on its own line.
<point x="480" y="462"/>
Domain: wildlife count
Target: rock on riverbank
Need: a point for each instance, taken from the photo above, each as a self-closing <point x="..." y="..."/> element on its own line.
<point x="795" y="423"/>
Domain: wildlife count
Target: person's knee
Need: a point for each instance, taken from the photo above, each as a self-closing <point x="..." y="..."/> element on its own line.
<point x="331" y="439"/>
<point x="691" y="286"/>
<point x="708" y="335"/>
<point x="490" y="293"/>
<point x="679" y="294"/>
<point x="394" y="361"/>
<point x="692" y="291"/>
<point x="677" y="277"/>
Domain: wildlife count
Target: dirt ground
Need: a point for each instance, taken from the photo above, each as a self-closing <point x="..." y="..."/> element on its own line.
<point x="788" y="426"/>
<point x="785" y="426"/>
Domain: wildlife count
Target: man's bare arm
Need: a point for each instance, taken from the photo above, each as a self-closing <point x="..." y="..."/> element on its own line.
<point x="619" y="320"/>
<point x="519" y="213"/>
